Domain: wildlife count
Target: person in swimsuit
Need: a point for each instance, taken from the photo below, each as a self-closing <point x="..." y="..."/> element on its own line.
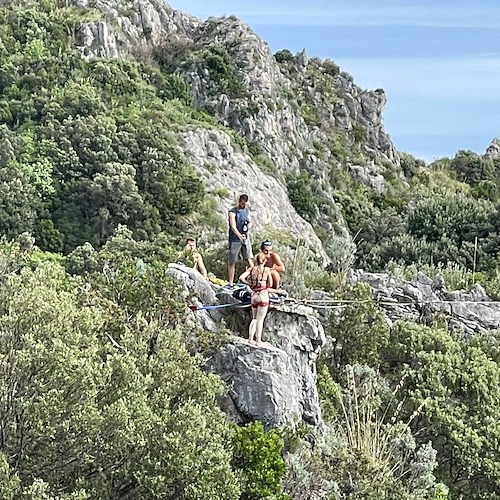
<point x="259" y="279"/>
<point x="273" y="262"/>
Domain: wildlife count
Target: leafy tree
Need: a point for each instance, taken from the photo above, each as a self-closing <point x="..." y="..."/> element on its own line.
<point x="283" y="56"/>
<point x="90" y="411"/>
<point x="17" y="190"/>
<point x="454" y="222"/>
<point x="459" y="382"/>
<point x="258" y="456"/>
<point x="300" y="193"/>
<point x="360" y="334"/>
<point x="220" y="66"/>
<point x="86" y="137"/>
<point x="472" y="168"/>
<point x="410" y="165"/>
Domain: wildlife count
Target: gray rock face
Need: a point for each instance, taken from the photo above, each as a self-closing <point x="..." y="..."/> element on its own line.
<point x="421" y="299"/>
<point x="96" y="40"/>
<point x="133" y="28"/>
<point x="236" y="173"/>
<point x="274" y="383"/>
<point x="493" y="150"/>
<point x="369" y="176"/>
<point x="289" y="113"/>
<point x="195" y="286"/>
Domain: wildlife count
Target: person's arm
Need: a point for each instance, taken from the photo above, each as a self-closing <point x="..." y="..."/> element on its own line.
<point x="232" y="225"/>
<point x="243" y="276"/>
<point x="278" y="263"/>
<point x="198" y="261"/>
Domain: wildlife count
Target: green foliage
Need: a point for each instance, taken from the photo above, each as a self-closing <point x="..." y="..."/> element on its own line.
<point x="301" y="195"/>
<point x="221" y="68"/>
<point x="90" y="409"/>
<point x="329" y="392"/>
<point x="383" y="443"/>
<point x="459" y="380"/>
<point x="303" y="270"/>
<point x="361" y="333"/>
<point x="175" y="87"/>
<point x="367" y="450"/>
<point x="410" y="165"/>
<point x="208" y="342"/>
<point x="9" y="481"/>
<point x="101" y="397"/>
<point x="472" y="168"/>
<point x="283" y="56"/>
<point x="330" y="68"/>
<point x="257" y="455"/>
<point x="437" y="229"/>
<point x="89" y="145"/>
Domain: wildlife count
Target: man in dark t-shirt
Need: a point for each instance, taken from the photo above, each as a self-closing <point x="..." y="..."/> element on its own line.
<point x="239" y="241"/>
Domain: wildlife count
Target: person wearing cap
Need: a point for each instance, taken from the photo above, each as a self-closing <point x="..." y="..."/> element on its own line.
<point x="273" y="262"/>
<point x="239" y="241"/>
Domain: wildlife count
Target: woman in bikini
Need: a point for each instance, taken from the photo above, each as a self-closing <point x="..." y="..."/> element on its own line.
<point x="259" y="279"/>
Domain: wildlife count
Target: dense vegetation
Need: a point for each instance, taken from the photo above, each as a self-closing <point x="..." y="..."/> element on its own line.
<point x="101" y="397"/>
<point x="102" y="393"/>
<point x="86" y="145"/>
<point x="453" y="218"/>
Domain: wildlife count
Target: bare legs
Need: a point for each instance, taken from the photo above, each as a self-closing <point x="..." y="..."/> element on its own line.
<point x="258" y="317"/>
<point x="259" y="322"/>
<point x="275" y="275"/>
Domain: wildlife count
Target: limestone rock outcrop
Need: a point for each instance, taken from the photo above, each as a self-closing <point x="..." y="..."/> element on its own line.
<point x="132" y="28"/>
<point x="237" y="173"/>
<point x="493" y="150"/>
<point x="297" y="115"/>
<point x="274" y="383"/>
<point x="420" y="300"/>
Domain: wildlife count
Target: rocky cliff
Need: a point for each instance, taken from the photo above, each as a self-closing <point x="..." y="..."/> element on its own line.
<point x="280" y="115"/>
<point x="276" y="383"/>
<point x="424" y="299"/>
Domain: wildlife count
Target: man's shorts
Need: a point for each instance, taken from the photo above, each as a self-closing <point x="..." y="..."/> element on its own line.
<point x="235" y="247"/>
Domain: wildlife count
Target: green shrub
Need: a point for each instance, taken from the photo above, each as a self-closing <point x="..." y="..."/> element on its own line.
<point x="283" y="56"/>
<point x="257" y="455"/>
<point x="300" y="193"/>
<point x="361" y="332"/>
<point x="459" y="381"/>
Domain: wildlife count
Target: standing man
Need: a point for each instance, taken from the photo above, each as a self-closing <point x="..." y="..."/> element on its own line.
<point x="273" y="262"/>
<point x="239" y="223"/>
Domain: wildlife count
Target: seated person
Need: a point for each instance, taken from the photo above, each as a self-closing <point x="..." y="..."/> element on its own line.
<point x="273" y="262"/>
<point x="190" y="252"/>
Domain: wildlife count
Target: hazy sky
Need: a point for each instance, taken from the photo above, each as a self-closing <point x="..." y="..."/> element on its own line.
<point x="438" y="61"/>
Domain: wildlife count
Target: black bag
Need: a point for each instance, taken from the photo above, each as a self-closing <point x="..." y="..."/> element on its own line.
<point x="242" y="295"/>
